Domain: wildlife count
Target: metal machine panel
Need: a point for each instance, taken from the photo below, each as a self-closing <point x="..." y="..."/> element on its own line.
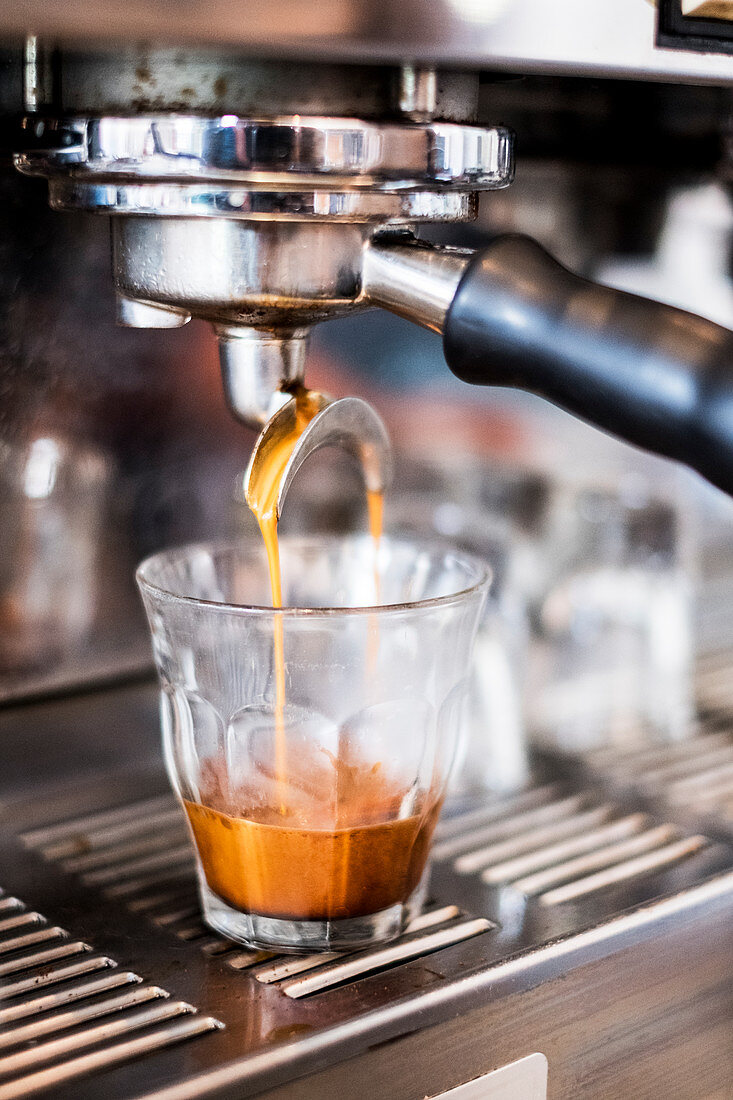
<point x="606" y="38"/>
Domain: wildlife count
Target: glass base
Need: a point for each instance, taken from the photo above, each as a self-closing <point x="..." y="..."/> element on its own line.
<point x="271" y="933"/>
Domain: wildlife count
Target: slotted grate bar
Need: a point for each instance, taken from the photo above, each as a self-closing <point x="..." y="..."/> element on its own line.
<point x="695" y="776"/>
<point x="114" y="1007"/>
<point x="152" y="874"/>
<point x="20" y="920"/>
<point x="362" y="964"/>
<point x="187" y="1028"/>
<point x="553" y="854"/>
<point x="31" y="939"/>
<point x="217" y="946"/>
<point x="620" y="760"/>
<point x="83" y="843"/>
<point x="42" y="958"/>
<point x="131" y="887"/>
<point x="118" y="853"/>
<point x="94" y="822"/>
<point x="604" y="857"/>
<point x="102" y="1033"/>
<point x="49" y="1025"/>
<point x="121" y="872"/>
<point x="150" y="903"/>
<point x="193" y="931"/>
<point x="291" y="965"/>
<point x="506" y="827"/>
<point x="243" y="960"/>
<point x="173" y="916"/>
<point x="527" y="800"/>
<point x="702" y="779"/>
<point x="713" y="792"/>
<point x="679" y="768"/>
<point x="50" y="1001"/>
<point x="52" y="977"/>
<point x="531" y="839"/>
<point x="661" y="857"/>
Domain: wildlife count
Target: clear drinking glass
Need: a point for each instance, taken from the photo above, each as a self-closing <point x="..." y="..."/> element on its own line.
<point x="311" y="745"/>
<point x="53" y="497"/>
<point x="612" y="655"/>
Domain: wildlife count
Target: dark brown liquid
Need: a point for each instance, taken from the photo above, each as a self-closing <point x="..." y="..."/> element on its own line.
<point x="350" y="859"/>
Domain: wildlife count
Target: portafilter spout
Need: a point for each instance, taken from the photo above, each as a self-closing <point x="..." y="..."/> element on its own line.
<point x="348" y="423"/>
<point x="259" y="369"/>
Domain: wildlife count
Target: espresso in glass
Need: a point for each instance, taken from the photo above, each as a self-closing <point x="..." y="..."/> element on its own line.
<point x="323" y="859"/>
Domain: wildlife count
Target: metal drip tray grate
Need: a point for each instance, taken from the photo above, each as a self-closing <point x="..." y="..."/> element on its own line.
<point x="140" y="855"/>
<point x="691" y="781"/>
<point x="523" y="890"/>
<point x="555" y="846"/>
<point x="432" y="931"/>
<point x="83" y="1023"/>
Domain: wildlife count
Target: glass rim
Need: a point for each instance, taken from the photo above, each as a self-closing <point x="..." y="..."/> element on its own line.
<point x="479" y="564"/>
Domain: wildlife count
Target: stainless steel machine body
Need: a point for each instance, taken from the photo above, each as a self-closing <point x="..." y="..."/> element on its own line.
<point x="586" y="921"/>
<point x="632" y="38"/>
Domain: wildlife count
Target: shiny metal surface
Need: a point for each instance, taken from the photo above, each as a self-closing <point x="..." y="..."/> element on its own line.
<point x="609" y="37"/>
<point x="256" y="368"/>
<point x="265" y="153"/>
<point x="44" y="1050"/>
<point x="135" y="314"/>
<point x="268" y="274"/>
<point x="349" y="423"/>
<point x="692" y="780"/>
<point x="413" y="279"/>
<point x="262" y="221"/>
<point x="211" y="201"/>
<point x="135" y="78"/>
<point x="559" y="979"/>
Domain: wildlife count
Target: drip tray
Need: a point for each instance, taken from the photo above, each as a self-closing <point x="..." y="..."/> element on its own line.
<point x="554" y="917"/>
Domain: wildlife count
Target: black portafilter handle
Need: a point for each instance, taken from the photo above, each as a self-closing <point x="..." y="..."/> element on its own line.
<point x="655" y="376"/>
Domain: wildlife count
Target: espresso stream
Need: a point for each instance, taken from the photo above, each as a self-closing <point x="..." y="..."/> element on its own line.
<point x="328" y="844"/>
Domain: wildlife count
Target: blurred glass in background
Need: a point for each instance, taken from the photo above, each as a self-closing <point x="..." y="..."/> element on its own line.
<point x="52" y="498"/>
<point x="612" y="628"/>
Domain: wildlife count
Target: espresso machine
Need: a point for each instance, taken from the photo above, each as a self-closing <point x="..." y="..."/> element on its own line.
<point x="264" y="170"/>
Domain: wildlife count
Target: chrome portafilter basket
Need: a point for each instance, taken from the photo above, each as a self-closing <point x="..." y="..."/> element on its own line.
<point x="262" y="227"/>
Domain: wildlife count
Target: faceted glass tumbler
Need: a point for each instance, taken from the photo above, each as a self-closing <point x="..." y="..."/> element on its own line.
<point x="311" y="745"/>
